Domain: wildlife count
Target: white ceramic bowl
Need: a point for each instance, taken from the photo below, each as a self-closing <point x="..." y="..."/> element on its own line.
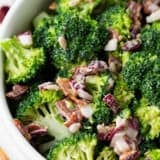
<point x="17" y="20"/>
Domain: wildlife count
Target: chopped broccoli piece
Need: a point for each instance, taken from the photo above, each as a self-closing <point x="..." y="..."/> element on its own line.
<point x="122" y="93"/>
<point x="149" y="118"/>
<point x="39" y="107"/>
<point x="97" y="87"/>
<point x="136" y="68"/>
<point x="117" y="18"/>
<point x="84" y="8"/>
<point x="153" y="154"/>
<point x="106" y="154"/>
<point x="76" y="147"/>
<point x="21" y="64"/>
<point x="150" y="36"/>
<point x="84" y="38"/>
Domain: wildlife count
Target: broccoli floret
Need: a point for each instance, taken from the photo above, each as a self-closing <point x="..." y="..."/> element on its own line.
<point x="153" y="154"/>
<point x="117" y="18"/>
<point x="122" y="93"/>
<point x="77" y="147"/>
<point x="21" y="64"/>
<point x="107" y="154"/>
<point x="136" y="68"/>
<point x="83" y="37"/>
<point x="97" y="87"/>
<point x="150" y="36"/>
<point x="82" y="7"/>
<point x="149" y="118"/>
<point x="39" y="107"/>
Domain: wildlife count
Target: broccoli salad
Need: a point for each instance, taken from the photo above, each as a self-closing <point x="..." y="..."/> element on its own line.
<point x="84" y="82"/>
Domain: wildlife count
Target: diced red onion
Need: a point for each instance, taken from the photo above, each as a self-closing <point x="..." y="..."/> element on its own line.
<point x="78" y="81"/>
<point x="25" y="38"/>
<point x="111" y="45"/>
<point x="111" y="102"/>
<point x="132" y="45"/>
<point x="3" y="12"/>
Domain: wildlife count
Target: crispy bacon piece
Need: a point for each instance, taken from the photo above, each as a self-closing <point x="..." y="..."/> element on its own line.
<point x="66" y="87"/>
<point x="135" y="9"/>
<point x="53" y="6"/>
<point x="17" y="92"/>
<point x="35" y="130"/>
<point x="22" y="129"/>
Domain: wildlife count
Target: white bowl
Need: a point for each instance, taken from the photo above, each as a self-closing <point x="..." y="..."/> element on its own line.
<point x="17" y="20"/>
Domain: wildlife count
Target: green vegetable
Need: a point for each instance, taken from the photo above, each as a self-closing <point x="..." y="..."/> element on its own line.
<point x="117" y="18"/>
<point x="21" y="64"/>
<point x="83" y="37"/>
<point x="150" y="36"/>
<point x="77" y="147"/>
<point x="106" y="154"/>
<point x="39" y="106"/>
<point x="153" y="154"/>
<point x="149" y="119"/>
<point x="97" y="87"/>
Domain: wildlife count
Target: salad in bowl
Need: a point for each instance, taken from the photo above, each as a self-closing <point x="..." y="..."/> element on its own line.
<point x="83" y="82"/>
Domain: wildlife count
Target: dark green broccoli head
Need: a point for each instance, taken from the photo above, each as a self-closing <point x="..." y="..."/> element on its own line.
<point x="117" y="18"/>
<point x="77" y="147"/>
<point x="97" y="87"/>
<point x="82" y="7"/>
<point x="107" y="154"/>
<point x="39" y="106"/>
<point x="122" y="93"/>
<point x="21" y="64"/>
<point x="149" y="118"/>
<point x="150" y="36"/>
<point x="136" y="68"/>
<point x="70" y="39"/>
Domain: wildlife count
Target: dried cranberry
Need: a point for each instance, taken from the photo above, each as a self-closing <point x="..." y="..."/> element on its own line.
<point x="3" y="12"/>
<point x="111" y="102"/>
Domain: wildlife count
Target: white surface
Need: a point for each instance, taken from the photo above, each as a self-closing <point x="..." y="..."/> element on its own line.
<point x="17" y="20"/>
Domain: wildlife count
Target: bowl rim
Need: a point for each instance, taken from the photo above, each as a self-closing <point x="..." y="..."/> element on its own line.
<point x="16" y="146"/>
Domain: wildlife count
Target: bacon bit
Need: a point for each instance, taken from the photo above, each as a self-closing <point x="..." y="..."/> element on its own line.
<point x="111" y="102"/>
<point x="36" y="130"/>
<point x="3" y="155"/>
<point x="53" y="6"/>
<point x="66" y="87"/>
<point x="75" y="117"/>
<point x="132" y="45"/>
<point x="3" y="12"/>
<point x="22" y="129"/>
<point x="115" y="34"/>
<point x="130" y="155"/>
<point x="63" y="108"/>
<point x="135" y="9"/>
<point x="114" y="64"/>
<point x="97" y="67"/>
<point x="48" y="86"/>
<point x="17" y="92"/>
